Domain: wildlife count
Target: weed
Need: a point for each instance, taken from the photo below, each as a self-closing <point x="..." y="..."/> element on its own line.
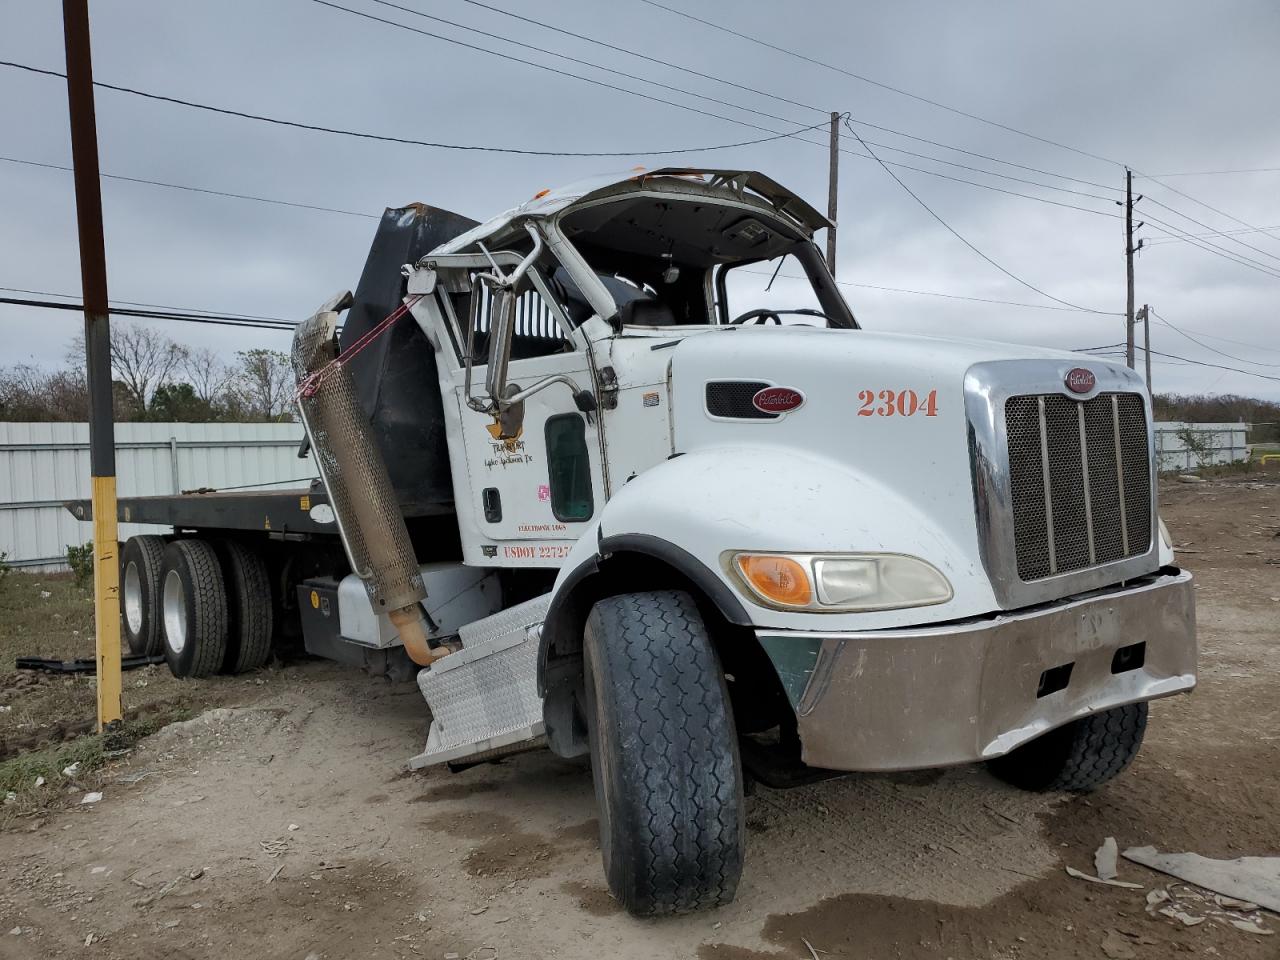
<point x="80" y="559"/>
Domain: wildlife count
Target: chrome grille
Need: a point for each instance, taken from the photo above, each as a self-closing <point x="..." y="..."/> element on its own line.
<point x="1080" y="482"/>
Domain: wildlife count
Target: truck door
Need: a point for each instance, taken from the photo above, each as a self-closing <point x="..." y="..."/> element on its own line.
<point x="529" y="495"/>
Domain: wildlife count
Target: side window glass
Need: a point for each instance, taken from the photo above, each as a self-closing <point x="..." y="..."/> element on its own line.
<point x="569" y="468"/>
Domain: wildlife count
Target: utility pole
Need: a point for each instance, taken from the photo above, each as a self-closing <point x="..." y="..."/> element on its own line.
<point x="832" y="181"/>
<point x="97" y="340"/>
<point x="1129" y="250"/>
<point x="1145" y="315"/>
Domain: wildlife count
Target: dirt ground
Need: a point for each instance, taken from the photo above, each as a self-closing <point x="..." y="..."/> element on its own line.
<point x="284" y="824"/>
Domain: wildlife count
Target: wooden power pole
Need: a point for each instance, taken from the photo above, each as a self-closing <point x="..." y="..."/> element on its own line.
<point x="1129" y="250"/>
<point x="97" y="340"/>
<point x="833" y="178"/>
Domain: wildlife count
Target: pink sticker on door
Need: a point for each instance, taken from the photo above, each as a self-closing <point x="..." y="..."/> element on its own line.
<point x="544" y="492"/>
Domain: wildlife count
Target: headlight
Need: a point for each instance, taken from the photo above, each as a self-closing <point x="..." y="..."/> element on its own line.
<point x="830" y="583"/>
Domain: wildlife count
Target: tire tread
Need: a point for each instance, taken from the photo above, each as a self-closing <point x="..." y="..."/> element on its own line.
<point x="682" y="785"/>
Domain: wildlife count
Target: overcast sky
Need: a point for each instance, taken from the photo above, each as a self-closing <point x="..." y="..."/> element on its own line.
<point x="1167" y="87"/>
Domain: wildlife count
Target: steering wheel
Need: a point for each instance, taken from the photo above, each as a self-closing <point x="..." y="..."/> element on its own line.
<point x="761" y="314"/>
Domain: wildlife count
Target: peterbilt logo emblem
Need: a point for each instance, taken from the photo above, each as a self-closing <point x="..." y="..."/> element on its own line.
<point x="1080" y="380"/>
<point x="777" y="399"/>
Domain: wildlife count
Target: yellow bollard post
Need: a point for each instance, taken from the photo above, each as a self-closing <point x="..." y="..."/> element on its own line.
<point x="106" y="601"/>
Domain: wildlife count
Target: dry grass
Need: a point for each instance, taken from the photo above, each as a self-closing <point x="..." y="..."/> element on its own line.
<point x="47" y="720"/>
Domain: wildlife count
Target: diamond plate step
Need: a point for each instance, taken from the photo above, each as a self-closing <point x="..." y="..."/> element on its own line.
<point x="484" y="698"/>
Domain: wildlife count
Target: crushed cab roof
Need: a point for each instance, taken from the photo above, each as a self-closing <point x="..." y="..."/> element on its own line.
<point x="749" y="185"/>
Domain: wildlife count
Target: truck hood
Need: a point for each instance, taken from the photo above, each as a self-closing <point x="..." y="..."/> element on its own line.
<point x="876" y="457"/>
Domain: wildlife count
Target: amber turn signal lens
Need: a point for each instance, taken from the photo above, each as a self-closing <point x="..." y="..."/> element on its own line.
<point x="779" y="580"/>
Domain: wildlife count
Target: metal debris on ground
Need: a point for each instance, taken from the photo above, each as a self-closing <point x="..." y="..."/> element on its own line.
<point x="1255" y="879"/>
<point x="1191" y="907"/>
<point x="1104" y="860"/>
<point x="1081" y="875"/>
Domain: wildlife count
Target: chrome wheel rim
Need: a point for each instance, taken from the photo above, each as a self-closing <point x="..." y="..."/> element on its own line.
<point x="133" y="598"/>
<point x="175" y="612"/>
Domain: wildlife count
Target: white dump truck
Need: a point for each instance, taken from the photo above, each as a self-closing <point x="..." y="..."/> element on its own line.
<point x="617" y="473"/>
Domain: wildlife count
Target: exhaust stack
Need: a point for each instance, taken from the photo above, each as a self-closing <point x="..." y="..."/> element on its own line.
<point x="370" y="523"/>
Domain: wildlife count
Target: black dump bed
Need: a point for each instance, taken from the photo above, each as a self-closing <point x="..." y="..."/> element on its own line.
<point x="395" y="378"/>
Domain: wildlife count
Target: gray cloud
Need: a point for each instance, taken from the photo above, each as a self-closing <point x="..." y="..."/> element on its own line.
<point x="1164" y="86"/>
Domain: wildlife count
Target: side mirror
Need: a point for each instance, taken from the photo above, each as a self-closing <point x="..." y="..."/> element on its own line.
<point x="502" y="318"/>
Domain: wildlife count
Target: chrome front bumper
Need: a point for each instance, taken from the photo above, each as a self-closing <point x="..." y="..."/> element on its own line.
<point x="963" y="692"/>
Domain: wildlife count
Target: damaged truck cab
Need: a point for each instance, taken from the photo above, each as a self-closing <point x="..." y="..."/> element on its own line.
<point x="785" y="546"/>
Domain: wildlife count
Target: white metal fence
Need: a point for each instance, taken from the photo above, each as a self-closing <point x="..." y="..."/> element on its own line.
<point x="43" y="464"/>
<point x="1188" y="446"/>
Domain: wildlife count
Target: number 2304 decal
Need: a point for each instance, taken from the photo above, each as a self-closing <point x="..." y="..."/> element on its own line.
<point x="897" y="403"/>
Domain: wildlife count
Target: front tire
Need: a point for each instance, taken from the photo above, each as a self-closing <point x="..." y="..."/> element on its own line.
<point x="140" y="617"/>
<point x="193" y="602"/>
<point x="1079" y="757"/>
<point x="664" y="755"/>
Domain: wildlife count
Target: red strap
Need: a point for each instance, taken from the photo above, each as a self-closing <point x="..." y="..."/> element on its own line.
<point x="311" y="384"/>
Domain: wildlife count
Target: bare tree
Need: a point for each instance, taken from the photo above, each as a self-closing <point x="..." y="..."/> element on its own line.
<point x="209" y="377"/>
<point x="141" y="360"/>
<point x="264" y="382"/>
<point x="29" y="393"/>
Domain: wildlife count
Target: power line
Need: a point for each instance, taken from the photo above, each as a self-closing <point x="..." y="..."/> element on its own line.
<point x="1215" y="233"/>
<point x="180" y="186"/>
<point x="1210" y="247"/>
<point x="1180" y="331"/>
<point x="428" y="143"/>
<point x="763" y="93"/>
<point x="151" y="314"/>
<point x="1221" y="213"/>
<point x="707" y="113"/>
<point x="156" y="306"/>
<point x="718" y="116"/>
<point x="957" y="235"/>
<point x="1216" y="366"/>
<point x="935" y="103"/>
<point x="1198" y="223"/>
<point x="1203" y="173"/>
<point x="877" y="83"/>
<point x="929" y="293"/>
<point x="774" y="135"/>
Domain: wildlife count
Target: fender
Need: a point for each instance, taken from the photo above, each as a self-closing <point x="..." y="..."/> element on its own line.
<point x="725" y="600"/>
<point x="688" y="511"/>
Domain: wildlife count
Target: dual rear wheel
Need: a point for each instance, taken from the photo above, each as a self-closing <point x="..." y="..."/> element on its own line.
<point x="206" y="605"/>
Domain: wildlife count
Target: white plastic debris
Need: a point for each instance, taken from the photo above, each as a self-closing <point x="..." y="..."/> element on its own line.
<point x="39" y="781"/>
<point x="1255" y="879"/>
<point x="292" y="826"/>
<point x="10" y="797"/>
<point x="1081" y="875"/>
<point x="15" y="932"/>
<point x="45" y="594"/>
<point x="1104" y="860"/>
<point x="1249" y="927"/>
<point x="71" y="770"/>
<point x="91" y="797"/>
